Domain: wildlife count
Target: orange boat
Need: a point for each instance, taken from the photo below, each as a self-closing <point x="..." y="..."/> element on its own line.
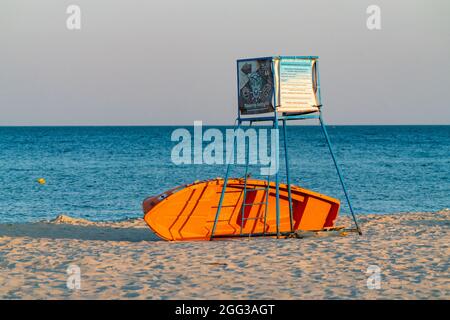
<point x="188" y="212"/>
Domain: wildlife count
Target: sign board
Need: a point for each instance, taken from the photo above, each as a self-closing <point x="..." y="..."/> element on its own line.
<point x="292" y="79"/>
<point x="296" y="85"/>
<point x="255" y="86"/>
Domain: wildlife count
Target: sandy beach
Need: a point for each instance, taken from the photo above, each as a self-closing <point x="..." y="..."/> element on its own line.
<point x="124" y="260"/>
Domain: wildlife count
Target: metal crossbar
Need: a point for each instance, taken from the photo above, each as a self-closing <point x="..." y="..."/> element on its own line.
<point x="256" y="189"/>
<point x="254" y="203"/>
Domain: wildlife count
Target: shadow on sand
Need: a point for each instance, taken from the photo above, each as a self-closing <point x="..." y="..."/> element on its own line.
<point x="77" y="232"/>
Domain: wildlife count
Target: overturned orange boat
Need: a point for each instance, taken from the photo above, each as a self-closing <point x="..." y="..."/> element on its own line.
<point x="248" y="208"/>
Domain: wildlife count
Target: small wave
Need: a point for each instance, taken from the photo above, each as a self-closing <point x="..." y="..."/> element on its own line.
<point x="65" y="219"/>
<point x="69" y="220"/>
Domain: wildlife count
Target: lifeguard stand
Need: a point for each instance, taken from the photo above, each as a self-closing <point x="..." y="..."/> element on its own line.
<point x="278" y="89"/>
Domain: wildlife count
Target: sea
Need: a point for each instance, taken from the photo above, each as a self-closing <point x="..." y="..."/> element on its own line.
<point x="104" y="173"/>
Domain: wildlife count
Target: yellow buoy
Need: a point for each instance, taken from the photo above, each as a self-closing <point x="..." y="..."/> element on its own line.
<point x="41" y="180"/>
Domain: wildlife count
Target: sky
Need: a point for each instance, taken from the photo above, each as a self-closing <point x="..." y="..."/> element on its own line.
<point x="172" y="62"/>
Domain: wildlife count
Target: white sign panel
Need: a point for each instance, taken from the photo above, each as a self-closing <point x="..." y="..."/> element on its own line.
<point x="297" y="91"/>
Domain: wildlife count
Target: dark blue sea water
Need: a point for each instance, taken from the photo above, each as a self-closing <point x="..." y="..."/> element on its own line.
<point x="104" y="173"/>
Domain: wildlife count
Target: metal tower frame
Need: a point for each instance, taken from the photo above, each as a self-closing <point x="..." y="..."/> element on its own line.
<point x="276" y="119"/>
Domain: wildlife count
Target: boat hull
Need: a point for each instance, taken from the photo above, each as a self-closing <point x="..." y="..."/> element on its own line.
<point x="188" y="212"/>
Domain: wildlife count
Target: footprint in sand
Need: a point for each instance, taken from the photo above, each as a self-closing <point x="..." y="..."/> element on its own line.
<point x="131" y="295"/>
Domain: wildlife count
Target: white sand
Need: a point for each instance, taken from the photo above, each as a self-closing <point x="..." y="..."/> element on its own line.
<point x="125" y="260"/>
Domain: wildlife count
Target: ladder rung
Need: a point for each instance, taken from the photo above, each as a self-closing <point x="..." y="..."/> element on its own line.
<point x="225" y="206"/>
<point x="257" y="218"/>
<point x="256" y="189"/>
<point x="254" y="203"/>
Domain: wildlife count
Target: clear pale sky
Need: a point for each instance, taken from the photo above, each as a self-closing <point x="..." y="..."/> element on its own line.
<point x="172" y="62"/>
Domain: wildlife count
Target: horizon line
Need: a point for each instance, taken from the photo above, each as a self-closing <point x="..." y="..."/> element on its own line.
<point x="204" y="124"/>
